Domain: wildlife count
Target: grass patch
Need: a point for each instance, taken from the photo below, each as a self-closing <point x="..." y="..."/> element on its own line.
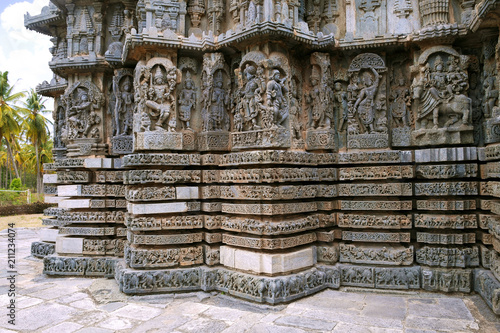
<point x="22" y="221"/>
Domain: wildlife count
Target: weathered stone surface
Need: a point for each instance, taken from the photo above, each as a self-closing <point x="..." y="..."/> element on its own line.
<point x="42" y="249"/>
<point x="448" y="256"/>
<point x="269" y="209"/>
<point x="446" y="154"/>
<point x="356" y="190"/>
<point x="488" y="287"/>
<point x="374" y="221"/>
<point x="435" y="238"/>
<point x="268" y="243"/>
<point x="171" y="207"/>
<point x="448" y="188"/>
<point x="161" y="258"/>
<point x="165" y="239"/>
<point x="378" y="237"/>
<point x="447" y="171"/>
<point x="375" y="205"/>
<point x="433" y="221"/>
<point x="447" y="280"/>
<point x="378" y="277"/>
<point x="67" y="245"/>
<point x="446" y="205"/>
<point x="266" y="263"/>
<point x="372" y="173"/>
<point x="386" y="254"/>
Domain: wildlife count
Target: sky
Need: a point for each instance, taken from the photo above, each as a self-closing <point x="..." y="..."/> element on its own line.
<point x="23" y="53"/>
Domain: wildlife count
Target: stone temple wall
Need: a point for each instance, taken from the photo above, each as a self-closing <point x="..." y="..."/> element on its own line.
<point x="270" y="149"/>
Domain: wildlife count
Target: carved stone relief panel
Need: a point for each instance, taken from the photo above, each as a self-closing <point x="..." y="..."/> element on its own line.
<point x="156" y="121"/>
<point x="215" y="103"/>
<point x="441" y="106"/>
<point x="261" y="117"/>
<point x="367" y="107"/>
<point x="320" y="104"/>
<point x="83" y="127"/>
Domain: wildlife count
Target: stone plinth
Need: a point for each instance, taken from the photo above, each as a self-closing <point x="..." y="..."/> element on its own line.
<point x="368" y="140"/>
<point x="69" y="245"/>
<point x="122" y="144"/>
<point x="443" y="136"/>
<point x="213" y="141"/>
<point x="320" y="139"/>
<point x="268" y="138"/>
<point x="158" y="140"/>
<point x="267" y="263"/>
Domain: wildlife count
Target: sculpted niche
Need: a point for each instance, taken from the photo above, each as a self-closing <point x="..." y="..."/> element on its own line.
<point x="366" y="103"/>
<point x="441" y="105"/>
<point x="261" y="114"/>
<point x="83" y="103"/>
<point x="155" y="122"/>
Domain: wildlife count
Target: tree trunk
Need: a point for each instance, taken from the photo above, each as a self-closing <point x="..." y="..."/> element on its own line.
<point x="38" y="180"/>
<point x="9" y="150"/>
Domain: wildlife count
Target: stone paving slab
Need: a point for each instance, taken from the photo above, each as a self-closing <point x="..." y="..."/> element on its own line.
<point x="96" y="306"/>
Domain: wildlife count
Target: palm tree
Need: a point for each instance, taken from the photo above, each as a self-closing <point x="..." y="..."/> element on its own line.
<point x="36" y="129"/>
<point x="9" y="116"/>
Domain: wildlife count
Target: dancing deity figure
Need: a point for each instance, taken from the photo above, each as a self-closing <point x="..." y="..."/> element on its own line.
<point x="365" y="104"/>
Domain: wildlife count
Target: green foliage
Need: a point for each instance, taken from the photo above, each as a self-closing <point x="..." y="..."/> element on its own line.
<point x="16" y="184"/>
<point x="12" y="198"/>
<point x="25" y="142"/>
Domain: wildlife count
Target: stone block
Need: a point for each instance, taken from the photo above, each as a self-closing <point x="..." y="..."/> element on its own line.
<point x="447" y="280"/>
<point x="380" y="254"/>
<point x="448" y="256"/>
<point x="187" y="192"/>
<point x="489" y="288"/>
<point x="213" y="141"/>
<point x="158" y="208"/>
<point x="158" y="140"/>
<point x="69" y="245"/>
<point x="50" y="178"/>
<point x="267" y="263"/>
<point x="98" y="163"/>
<point x="328" y="253"/>
<point x="486" y="254"/>
<point x="443" y="136"/>
<point x="69" y="190"/>
<point x="74" y="204"/>
<point x="49" y="234"/>
<point x="42" y="249"/>
<point x="446" y="154"/>
<point x="53" y="199"/>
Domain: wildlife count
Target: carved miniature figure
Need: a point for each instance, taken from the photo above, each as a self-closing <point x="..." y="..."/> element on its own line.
<point x="295" y="108"/>
<point x="341" y="104"/>
<point x="317" y="100"/>
<point x="187" y="102"/>
<point x="490" y="95"/>
<point x="219" y="101"/>
<point x="400" y="101"/>
<point x="251" y="98"/>
<point x="160" y="99"/>
<point x="276" y="98"/>
<point x="124" y="107"/>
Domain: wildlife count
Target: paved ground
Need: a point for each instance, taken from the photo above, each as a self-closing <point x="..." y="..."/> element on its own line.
<point x="63" y="305"/>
